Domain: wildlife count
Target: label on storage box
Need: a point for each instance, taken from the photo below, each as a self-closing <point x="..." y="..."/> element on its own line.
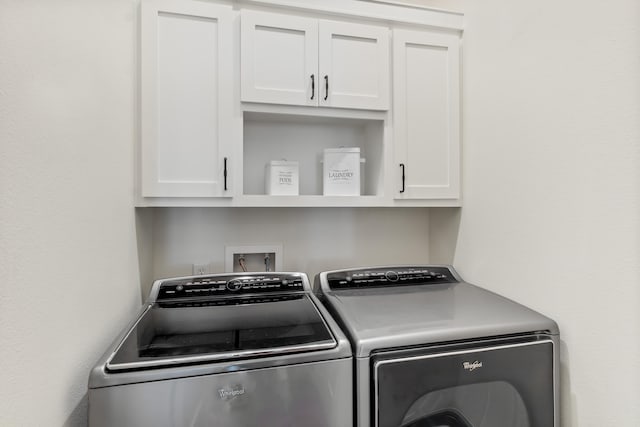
<point x="341" y="172"/>
<point x="282" y="178"/>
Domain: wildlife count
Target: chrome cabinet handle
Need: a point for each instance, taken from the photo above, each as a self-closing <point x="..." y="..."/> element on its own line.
<point x="313" y="86"/>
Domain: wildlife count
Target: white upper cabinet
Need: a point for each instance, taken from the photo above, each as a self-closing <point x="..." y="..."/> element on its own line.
<point x="302" y="61"/>
<point x="186" y="70"/>
<point x="279" y="59"/>
<point x="226" y="87"/>
<point x="354" y="65"/>
<point x="426" y="105"/>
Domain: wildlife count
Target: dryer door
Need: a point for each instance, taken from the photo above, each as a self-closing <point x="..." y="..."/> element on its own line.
<point x="496" y="385"/>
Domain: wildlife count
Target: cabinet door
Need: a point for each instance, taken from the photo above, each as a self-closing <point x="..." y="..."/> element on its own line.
<point x="185" y="97"/>
<point x="279" y="59"/>
<point x="426" y="105"/>
<point x="354" y="65"/>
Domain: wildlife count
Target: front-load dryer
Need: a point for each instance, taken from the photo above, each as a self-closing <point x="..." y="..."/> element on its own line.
<point x="432" y="350"/>
<point x="223" y="350"/>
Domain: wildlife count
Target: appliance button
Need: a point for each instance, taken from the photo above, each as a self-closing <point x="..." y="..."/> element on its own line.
<point x="234" y="285"/>
<point x="391" y="276"/>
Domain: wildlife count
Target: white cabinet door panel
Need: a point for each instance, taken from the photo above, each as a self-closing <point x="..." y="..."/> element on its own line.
<point x="354" y="65"/>
<point x="279" y="58"/>
<point x="427" y="114"/>
<point x="185" y="115"/>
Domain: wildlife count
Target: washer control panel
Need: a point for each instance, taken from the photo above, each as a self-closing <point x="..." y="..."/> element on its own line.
<point x="389" y="276"/>
<point x="229" y="285"/>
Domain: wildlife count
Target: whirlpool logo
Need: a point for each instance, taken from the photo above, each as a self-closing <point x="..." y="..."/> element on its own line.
<point x="231" y="392"/>
<point x="471" y="366"/>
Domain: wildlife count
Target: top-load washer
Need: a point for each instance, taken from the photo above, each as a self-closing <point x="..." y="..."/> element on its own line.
<point x="226" y="350"/>
<point x="432" y="350"/>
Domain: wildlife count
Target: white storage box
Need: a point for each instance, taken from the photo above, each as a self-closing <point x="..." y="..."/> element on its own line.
<point x="281" y="178"/>
<point x="341" y="172"/>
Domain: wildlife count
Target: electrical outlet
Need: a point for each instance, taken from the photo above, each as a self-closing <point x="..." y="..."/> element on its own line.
<point x="200" y="269"/>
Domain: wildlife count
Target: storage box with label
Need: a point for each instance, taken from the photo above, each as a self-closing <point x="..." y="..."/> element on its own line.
<point x="281" y="178"/>
<point x="341" y="171"/>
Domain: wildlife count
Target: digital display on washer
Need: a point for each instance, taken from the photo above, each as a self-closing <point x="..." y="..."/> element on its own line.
<point x="177" y="332"/>
<point x="389" y="276"/>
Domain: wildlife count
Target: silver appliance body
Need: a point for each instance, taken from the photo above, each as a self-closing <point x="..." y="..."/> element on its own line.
<point x="433" y="350"/>
<point x="226" y="350"/>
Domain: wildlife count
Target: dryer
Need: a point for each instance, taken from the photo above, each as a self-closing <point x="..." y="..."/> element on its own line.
<point x="247" y="349"/>
<point x="433" y="350"/>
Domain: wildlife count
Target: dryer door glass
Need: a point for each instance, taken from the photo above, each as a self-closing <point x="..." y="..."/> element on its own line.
<point x="507" y="385"/>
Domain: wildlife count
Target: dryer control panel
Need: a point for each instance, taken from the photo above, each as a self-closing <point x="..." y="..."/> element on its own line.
<point x="229" y="285"/>
<point x="389" y="276"/>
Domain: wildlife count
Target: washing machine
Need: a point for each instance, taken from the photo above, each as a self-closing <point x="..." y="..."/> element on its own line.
<point x="432" y="350"/>
<point x="226" y="350"/>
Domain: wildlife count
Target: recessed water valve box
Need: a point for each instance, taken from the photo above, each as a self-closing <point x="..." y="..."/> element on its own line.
<point x="253" y="258"/>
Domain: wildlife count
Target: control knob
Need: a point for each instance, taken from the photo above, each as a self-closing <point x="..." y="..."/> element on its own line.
<point x="234" y="285"/>
<point x="391" y="276"/>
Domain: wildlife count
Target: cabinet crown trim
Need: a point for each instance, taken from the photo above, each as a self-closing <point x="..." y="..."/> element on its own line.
<point x="358" y="9"/>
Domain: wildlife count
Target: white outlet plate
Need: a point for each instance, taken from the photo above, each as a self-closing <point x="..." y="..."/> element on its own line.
<point x="254" y="256"/>
<point x="200" y="269"/>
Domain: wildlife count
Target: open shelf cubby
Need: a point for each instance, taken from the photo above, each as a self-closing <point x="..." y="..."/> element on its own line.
<point x="300" y="138"/>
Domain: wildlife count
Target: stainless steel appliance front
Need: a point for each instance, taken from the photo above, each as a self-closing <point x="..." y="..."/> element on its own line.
<point x="500" y="383"/>
<point x="226" y="350"/>
<point x="433" y="350"/>
<point x="316" y="394"/>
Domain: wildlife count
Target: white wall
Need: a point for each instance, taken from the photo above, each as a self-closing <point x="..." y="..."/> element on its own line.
<point x="551" y="212"/>
<point x="68" y="258"/>
<point x="313" y="239"/>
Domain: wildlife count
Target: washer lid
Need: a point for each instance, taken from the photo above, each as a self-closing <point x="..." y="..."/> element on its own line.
<point x="382" y="317"/>
<point x="179" y="332"/>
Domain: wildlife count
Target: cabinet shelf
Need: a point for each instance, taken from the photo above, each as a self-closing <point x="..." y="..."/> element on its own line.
<point x="260" y="201"/>
<point x="310" y="201"/>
